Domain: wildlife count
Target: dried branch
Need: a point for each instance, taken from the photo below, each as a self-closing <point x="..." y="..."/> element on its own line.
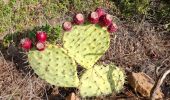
<point x="158" y="83"/>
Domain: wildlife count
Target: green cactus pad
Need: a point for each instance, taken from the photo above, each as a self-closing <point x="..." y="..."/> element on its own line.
<point x="86" y="43"/>
<point x="54" y="66"/>
<point x="117" y="76"/>
<point x="101" y="80"/>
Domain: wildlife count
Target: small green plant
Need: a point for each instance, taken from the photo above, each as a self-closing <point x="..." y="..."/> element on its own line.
<point x="54" y="34"/>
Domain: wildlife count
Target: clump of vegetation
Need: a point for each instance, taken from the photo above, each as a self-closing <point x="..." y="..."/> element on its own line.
<point x="158" y="11"/>
<point x="53" y="33"/>
<point x="133" y="7"/>
<point x="162" y="12"/>
<point x="26" y="14"/>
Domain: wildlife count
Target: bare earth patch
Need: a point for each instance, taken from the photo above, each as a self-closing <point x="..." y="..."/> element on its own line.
<point x="16" y="86"/>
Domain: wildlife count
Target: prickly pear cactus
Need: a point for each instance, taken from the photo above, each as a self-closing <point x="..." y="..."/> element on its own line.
<point x="86" y="43"/>
<point x="55" y="66"/>
<point x="101" y="80"/>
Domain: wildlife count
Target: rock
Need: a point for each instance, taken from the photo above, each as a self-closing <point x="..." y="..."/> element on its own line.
<point x="55" y="91"/>
<point x="143" y="84"/>
<point x="72" y="96"/>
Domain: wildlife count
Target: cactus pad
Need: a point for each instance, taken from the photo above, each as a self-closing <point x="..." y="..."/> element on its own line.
<point x="101" y="80"/>
<point x="55" y="66"/>
<point x="86" y="43"/>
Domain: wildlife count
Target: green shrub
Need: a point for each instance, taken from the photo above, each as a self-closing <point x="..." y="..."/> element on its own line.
<point x="133" y="7"/>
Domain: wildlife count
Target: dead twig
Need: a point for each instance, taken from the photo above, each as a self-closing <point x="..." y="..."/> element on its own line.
<point x="140" y="25"/>
<point x="157" y="69"/>
<point x="158" y="83"/>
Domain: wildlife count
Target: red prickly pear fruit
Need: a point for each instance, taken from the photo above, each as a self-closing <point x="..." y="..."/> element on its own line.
<point x="93" y="18"/>
<point x="26" y="44"/>
<point x="100" y="12"/>
<point x="67" y="26"/>
<point x="41" y="36"/>
<point x="78" y="19"/>
<point x="112" y="28"/>
<point x="105" y="20"/>
<point x="40" y="46"/>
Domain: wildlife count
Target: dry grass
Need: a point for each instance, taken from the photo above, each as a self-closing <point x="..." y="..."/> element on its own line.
<point x="134" y="46"/>
<point x="16" y="86"/>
